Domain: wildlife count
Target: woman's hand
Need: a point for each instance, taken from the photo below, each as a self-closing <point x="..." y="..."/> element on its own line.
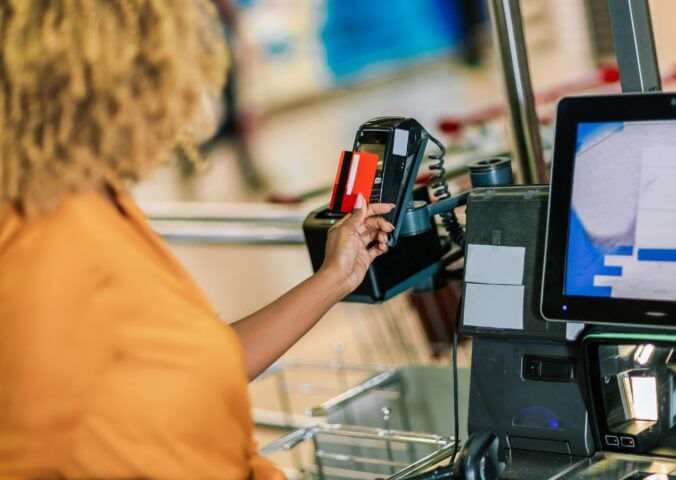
<point x="347" y="254"/>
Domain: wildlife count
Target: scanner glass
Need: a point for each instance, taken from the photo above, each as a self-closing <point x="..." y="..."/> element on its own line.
<point x="634" y="382"/>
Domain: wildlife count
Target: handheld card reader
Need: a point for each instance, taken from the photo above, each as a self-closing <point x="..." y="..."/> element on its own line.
<point x="382" y="167"/>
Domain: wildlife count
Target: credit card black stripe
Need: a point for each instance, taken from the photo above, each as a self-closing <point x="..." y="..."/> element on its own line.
<point x="342" y="181"/>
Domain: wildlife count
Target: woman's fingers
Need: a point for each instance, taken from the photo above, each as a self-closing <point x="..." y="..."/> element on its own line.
<point x="375" y="224"/>
<point x="377" y="250"/>
<point x="379" y="223"/>
<point x="360" y="213"/>
<point x="373" y="236"/>
<point x="379" y="209"/>
<point x="361" y="220"/>
<point x="366" y="222"/>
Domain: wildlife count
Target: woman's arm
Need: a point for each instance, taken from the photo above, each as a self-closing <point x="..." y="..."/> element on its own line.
<point x="271" y="331"/>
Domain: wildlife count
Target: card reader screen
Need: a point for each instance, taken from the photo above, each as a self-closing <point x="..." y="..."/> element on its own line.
<point x="375" y="142"/>
<point x="622" y="226"/>
<point x="378" y="149"/>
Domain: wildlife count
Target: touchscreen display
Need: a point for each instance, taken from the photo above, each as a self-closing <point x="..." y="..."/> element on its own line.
<point x="622" y="225"/>
<point x="375" y="142"/>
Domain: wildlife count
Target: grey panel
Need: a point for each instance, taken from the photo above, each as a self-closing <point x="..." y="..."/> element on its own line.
<point x="515" y="216"/>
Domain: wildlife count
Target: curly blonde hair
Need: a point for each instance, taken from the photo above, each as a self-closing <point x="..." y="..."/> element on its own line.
<point x="96" y="92"/>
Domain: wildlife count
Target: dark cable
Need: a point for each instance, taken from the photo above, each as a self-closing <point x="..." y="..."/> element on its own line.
<point x="456" y="414"/>
<point x="440" y="190"/>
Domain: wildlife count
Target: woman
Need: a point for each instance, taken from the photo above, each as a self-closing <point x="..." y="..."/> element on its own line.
<point x="112" y="362"/>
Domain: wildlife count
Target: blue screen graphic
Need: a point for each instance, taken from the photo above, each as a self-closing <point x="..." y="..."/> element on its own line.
<point x="622" y="224"/>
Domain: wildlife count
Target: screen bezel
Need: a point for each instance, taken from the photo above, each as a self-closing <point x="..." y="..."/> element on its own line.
<point x="555" y="304"/>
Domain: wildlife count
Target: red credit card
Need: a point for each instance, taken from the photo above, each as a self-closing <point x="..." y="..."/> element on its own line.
<point x="355" y="175"/>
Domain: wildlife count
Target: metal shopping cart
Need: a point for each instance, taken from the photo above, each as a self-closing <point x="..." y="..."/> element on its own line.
<point x="394" y="424"/>
<point x="334" y="451"/>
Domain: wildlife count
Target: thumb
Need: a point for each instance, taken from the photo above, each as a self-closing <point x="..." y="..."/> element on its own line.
<point x="360" y="202"/>
<point x="359" y="210"/>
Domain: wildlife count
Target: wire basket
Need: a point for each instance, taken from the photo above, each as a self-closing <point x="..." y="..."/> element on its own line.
<point x="333" y="452"/>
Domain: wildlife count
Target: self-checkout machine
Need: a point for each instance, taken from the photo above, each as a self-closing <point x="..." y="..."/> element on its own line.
<point x="598" y="403"/>
<point x="568" y="401"/>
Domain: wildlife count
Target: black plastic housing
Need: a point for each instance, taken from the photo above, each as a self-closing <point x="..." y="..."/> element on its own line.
<point x="413" y="259"/>
<point x="394" y="184"/>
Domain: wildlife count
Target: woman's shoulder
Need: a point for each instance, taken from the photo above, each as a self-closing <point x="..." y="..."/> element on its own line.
<point x="91" y="246"/>
<point x="82" y="234"/>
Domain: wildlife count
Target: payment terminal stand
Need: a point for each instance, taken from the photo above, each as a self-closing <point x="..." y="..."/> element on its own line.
<point x="527" y="375"/>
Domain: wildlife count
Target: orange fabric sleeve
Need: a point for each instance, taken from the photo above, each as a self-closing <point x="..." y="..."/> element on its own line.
<point x="112" y="362"/>
<point x="53" y="347"/>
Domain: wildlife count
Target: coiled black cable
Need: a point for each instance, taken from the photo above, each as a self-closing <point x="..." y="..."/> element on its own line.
<point x="439" y="186"/>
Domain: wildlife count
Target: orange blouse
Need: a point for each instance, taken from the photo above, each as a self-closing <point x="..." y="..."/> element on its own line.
<point x="113" y="364"/>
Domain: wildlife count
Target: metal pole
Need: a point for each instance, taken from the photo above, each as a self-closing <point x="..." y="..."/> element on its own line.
<point x="634" y="45"/>
<point x="509" y="39"/>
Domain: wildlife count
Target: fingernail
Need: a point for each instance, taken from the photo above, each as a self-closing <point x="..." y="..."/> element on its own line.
<point x="359" y="203"/>
<point x="390" y="226"/>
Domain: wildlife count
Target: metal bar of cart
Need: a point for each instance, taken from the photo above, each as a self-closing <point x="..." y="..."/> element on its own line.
<point x="288" y="418"/>
<point x="292" y="439"/>
<point x="227" y="233"/>
<point x="354" y="458"/>
<point x="324" y="365"/>
<point x="425" y="463"/>
<point x="338" y="402"/>
<point x="287" y="442"/>
<point x="370" y="433"/>
<point x="446" y="446"/>
<point x="223" y="212"/>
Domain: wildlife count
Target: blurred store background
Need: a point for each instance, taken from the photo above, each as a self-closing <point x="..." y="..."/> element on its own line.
<point x="307" y="74"/>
